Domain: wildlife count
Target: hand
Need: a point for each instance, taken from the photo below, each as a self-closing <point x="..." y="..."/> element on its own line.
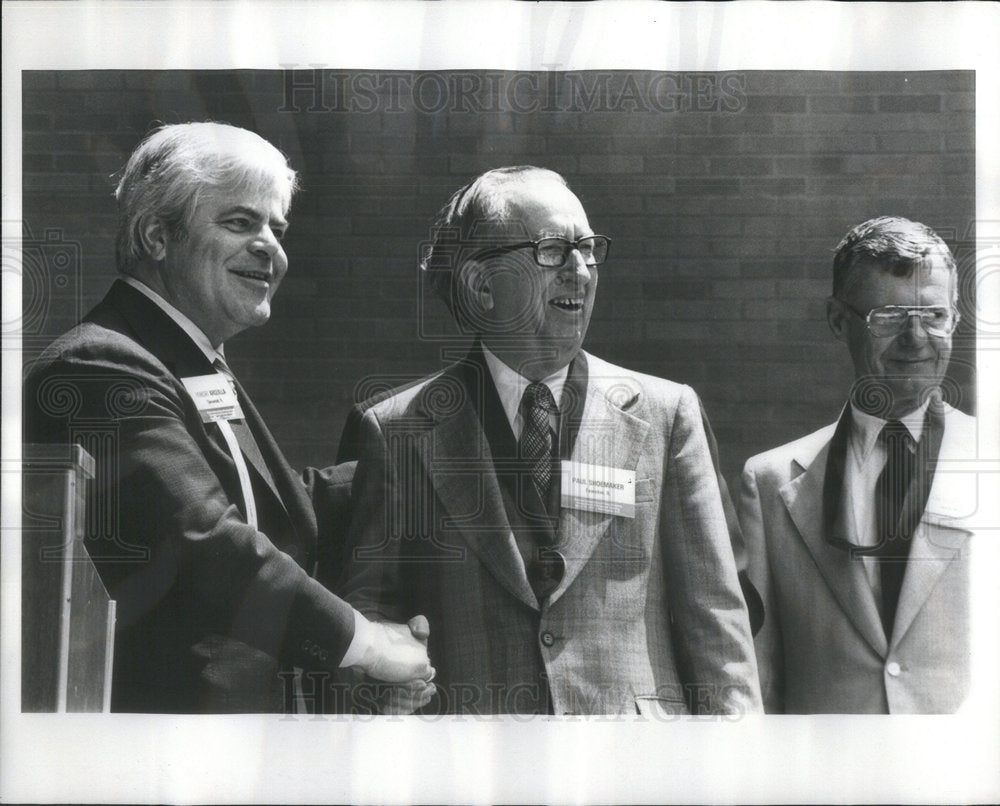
<point x="405" y="698"/>
<point x="398" y="652"/>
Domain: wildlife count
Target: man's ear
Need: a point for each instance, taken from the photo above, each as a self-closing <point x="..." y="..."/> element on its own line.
<point x="474" y="282"/>
<point x="153" y="234"/>
<point x="836" y="318"/>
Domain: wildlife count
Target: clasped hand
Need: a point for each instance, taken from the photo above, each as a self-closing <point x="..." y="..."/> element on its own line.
<point x="398" y="654"/>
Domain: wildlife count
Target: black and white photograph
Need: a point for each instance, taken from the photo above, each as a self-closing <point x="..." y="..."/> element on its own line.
<point x="522" y="402"/>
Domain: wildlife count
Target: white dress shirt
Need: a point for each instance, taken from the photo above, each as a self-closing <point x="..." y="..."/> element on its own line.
<point x="511" y="385"/>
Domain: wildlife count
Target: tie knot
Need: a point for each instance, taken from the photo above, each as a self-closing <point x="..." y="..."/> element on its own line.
<point x="538" y="396"/>
<point x="895" y="434"/>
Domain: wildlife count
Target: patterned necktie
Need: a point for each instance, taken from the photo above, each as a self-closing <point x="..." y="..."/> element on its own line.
<point x="535" y="445"/>
<point x="895" y="523"/>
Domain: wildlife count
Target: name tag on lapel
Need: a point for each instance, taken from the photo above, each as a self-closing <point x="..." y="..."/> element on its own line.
<point x="215" y="397"/>
<point x="598" y="488"/>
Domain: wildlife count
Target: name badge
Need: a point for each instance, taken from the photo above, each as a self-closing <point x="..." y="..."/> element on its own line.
<point x="215" y="397"/>
<point x="598" y="488"/>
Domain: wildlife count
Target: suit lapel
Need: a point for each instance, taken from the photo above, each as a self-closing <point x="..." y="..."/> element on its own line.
<point x="607" y="434"/>
<point x="940" y="537"/>
<point x="844" y="575"/>
<point x="159" y="334"/>
<point x="457" y="442"/>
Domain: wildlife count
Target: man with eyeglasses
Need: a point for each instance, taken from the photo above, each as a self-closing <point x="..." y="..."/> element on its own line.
<point x="557" y="518"/>
<point x="855" y="541"/>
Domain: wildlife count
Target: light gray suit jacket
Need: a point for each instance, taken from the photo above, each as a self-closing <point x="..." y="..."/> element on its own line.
<point x="648" y="617"/>
<point x="822" y="648"/>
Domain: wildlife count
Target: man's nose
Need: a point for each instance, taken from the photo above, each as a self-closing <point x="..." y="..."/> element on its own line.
<point x="914" y="329"/>
<point x="578" y="265"/>
<point x="266" y="244"/>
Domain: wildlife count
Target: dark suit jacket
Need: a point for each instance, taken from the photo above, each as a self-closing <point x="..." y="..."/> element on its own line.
<point x="648" y="616"/>
<point x="209" y="609"/>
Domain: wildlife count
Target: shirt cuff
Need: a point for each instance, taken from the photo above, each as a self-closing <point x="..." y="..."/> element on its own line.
<point x="364" y="635"/>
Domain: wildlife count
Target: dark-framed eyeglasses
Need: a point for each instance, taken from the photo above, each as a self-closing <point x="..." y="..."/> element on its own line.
<point x="552" y="253"/>
<point x="891" y="320"/>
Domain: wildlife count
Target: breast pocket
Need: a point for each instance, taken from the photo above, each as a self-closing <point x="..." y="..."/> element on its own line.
<point x="660" y="708"/>
<point x="645" y="490"/>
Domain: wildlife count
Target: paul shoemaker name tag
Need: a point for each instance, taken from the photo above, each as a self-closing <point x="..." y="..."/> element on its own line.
<point x="215" y="397"/>
<point x="598" y="488"/>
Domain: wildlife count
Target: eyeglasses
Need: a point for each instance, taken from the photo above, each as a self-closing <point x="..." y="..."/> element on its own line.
<point x="552" y="253"/>
<point x="891" y="320"/>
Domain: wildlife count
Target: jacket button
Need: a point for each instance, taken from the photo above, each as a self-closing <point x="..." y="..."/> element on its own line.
<point x="893" y="669"/>
<point x="548" y="639"/>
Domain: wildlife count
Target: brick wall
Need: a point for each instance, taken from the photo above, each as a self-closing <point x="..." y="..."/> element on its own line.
<point x="725" y="195"/>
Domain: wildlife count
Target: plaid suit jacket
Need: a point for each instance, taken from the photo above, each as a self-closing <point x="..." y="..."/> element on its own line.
<point x="648" y="617"/>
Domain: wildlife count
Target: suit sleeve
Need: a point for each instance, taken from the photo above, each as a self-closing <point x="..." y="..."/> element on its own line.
<point x="767" y="641"/>
<point x="176" y="544"/>
<point x="371" y="579"/>
<point x="350" y="438"/>
<point x="755" y="607"/>
<point x="329" y="489"/>
<point x="714" y="643"/>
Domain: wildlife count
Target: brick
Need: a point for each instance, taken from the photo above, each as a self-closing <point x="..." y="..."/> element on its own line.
<point x="743" y="289"/>
<point x="708" y="145"/>
<point x="791" y="82"/>
<point x="742" y="124"/>
<point x="839" y="104"/>
<point x="909" y="103"/>
<point x="677" y="166"/>
<point x="769" y="104"/>
<point x="794" y="166"/>
<point x="960" y="102"/>
<point x="707" y="187"/>
<point x="603" y="163"/>
<point x="784" y="186"/>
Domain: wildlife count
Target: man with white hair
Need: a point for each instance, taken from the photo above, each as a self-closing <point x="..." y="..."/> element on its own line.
<point x="205" y="538"/>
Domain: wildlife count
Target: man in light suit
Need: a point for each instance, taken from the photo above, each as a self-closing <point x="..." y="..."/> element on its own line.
<point x="859" y="548"/>
<point x="204" y="536"/>
<point x="557" y="518"/>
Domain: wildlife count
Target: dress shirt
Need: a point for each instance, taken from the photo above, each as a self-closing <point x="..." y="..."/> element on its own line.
<point x="866" y="458"/>
<point x="363" y="630"/>
<point x="511" y="385"/>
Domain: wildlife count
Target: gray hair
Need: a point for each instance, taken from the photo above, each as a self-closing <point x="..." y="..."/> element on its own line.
<point x="889" y="243"/>
<point x="169" y="170"/>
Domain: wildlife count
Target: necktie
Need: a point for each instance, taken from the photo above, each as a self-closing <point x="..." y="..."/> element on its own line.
<point x="239" y="440"/>
<point x="535" y="445"/>
<point x="546" y="566"/>
<point x="895" y="522"/>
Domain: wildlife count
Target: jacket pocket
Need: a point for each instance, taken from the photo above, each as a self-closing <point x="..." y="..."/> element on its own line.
<point x="652" y="705"/>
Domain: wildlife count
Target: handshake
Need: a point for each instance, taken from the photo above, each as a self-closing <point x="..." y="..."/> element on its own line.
<point x="397" y="654"/>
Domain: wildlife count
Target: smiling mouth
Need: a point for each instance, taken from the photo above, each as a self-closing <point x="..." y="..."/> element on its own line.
<point x="260" y="276"/>
<point x="569" y="304"/>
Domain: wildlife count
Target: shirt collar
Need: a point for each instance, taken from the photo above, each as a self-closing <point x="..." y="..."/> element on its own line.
<point x="196" y="333"/>
<point x="865" y="427"/>
<point x="511" y="385"/>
